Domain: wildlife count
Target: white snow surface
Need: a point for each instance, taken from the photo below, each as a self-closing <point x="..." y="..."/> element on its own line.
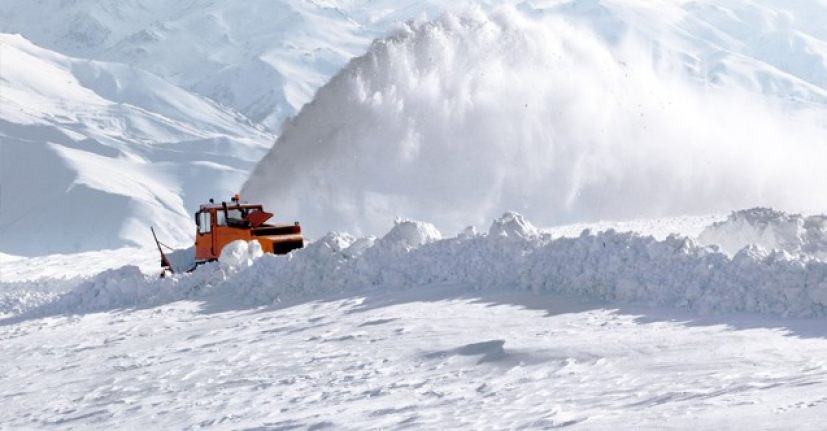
<point x="118" y="115"/>
<point x="771" y="229"/>
<point x="426" y="359"/>
<point x="93" y="153"/>
<point x="261" y="58"/>
<point x="514" y="328"/>
<point x="266" y="58"/>
<point x="239" y="253"/>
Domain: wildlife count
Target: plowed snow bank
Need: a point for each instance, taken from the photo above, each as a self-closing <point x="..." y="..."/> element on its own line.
<point x="801" y="236"/>
<point x="512" y="255"/>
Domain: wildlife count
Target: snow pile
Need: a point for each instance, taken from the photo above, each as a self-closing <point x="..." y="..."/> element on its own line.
<point x="608" y="265"/>
<point x="19" y="296"/>
<point x="677" y="272"/>
<point x="512" y="225"/>
<point x="407" y="235"/>
<point x="239" y="254"/>
<point x="458" y="119"/>
<point x="128" y="287"/>
<point x="122" y="284"/>
<point x="772" y="230"/>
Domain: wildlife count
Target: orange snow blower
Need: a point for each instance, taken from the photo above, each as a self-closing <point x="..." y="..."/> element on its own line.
<point x="221" y="224"/>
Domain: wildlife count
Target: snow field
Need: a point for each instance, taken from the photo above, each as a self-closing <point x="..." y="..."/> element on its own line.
<point x="427" y="359"/>
<point x="418" y="329"/>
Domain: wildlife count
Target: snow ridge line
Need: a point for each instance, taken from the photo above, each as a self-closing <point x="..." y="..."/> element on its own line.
<point x="609" y="265"/>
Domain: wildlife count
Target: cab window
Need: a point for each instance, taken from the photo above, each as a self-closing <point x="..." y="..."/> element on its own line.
<point x="235" y="216"/>
<point x="204" y="222"/>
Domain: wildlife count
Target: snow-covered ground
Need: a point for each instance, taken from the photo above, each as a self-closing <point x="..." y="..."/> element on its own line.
<point x="22" y="269"/>
<point x="427" y="358"/>
<point x="511" y="328"/>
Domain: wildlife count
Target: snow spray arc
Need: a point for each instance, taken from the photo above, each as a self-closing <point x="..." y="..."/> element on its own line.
<point x="457" y="119"/>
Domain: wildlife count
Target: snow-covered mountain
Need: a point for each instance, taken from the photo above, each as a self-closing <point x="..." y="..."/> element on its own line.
<point x="93" y="153"/>
<point x="129" y="114"/>
<point x="139" y="110"/>
<point x="772" y="47"/>
<point x="263" y="58"/>
<point x="266" y="58"/>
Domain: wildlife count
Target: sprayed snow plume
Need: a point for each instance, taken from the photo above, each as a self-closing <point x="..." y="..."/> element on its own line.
<point x="459" y="119"/>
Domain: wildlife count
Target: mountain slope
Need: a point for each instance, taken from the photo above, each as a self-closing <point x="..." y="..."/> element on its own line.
<point x="93" y="153"/>
<point x="266" y="58"/>
<point x="263" y="58"/>
<point x="194" y="91"/>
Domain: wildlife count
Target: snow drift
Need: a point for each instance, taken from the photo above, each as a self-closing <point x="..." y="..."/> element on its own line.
<point x="512" y="255"/>
<point x="804" y="237"/>
<point x="458" y="119"/>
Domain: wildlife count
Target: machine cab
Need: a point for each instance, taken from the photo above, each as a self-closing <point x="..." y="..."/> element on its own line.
<point x="220" y="224"/>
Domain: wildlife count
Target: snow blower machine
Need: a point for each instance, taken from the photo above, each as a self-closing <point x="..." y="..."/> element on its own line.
<point x="220" y="224"/>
